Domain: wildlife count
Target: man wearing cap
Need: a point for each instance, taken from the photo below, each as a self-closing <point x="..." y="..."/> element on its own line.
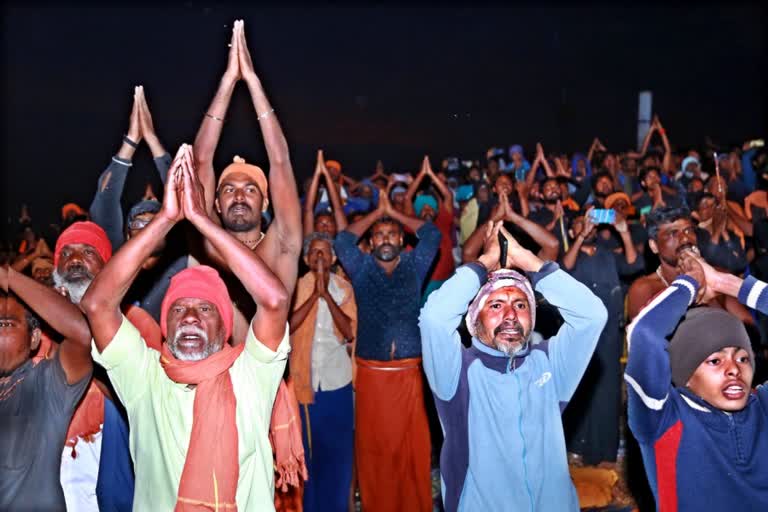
<point x="199" y="409"/>
<point x="702" y="430"/>
<point x="392" y="444"/>
<point x="500" y="400"/>
<point x="95" y="470"/>
<point x="242" y="194"/>
<point x="37" y="398"/>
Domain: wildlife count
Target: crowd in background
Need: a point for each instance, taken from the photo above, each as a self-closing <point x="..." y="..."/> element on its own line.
<point x="375" y="246"/>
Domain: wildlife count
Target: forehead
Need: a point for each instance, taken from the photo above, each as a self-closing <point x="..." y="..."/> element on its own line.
<point x="503" y="180"/>
<point x="507" y="294"/>
<point x="551" y="184"/>
<point x="385" y="227"/>
<point x="238" y="179"/>
<point x="144" y="216"/>
<point x="188" y="302"/>
<point x="324" y="217"/>
<point x="604" y="180"/>
<point x="319" y="244"/>
<point x="11" y="308"/>
<point x="676" y="225"/>
<point x="69" y="248"/>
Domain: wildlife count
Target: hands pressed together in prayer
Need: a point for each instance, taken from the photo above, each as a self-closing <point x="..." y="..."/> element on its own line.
<point x="517" y="255"/>
<point x="184" y="197"/>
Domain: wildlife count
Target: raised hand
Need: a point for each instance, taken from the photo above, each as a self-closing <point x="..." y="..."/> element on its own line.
<point x="620" y="222"/>
<point x="385" y="207"/>
<point x="134" y="126"/>
<point x="145" y="117"/>
<point x="321" y="279"/>
<point x="233" y="61"/>
<point x="690" y="264"/>
<point x="320" y="165"/>
<point x="193" y="198"/>
<point x="491" y="249"/>
<point x="243" y="55"/>
<point x="518" y="256"/>
<point x="539" y="151"/>
<point x="174" y="186"/>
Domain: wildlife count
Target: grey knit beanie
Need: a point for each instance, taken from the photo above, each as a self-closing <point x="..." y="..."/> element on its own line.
<point x="704" y="331"/>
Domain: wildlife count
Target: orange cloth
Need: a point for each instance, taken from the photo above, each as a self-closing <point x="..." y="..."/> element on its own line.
<point x="392" y="444"/>
<point x="594" y="486"/>
<point x="146" y="325"/>
<point x="72" y="208"/>
<point x="302" y="336"/>
<point x="209" y="478"/>
<point x="285" y="436"/>
<point x="89" y="414"/>
<point x="571" y="204"/>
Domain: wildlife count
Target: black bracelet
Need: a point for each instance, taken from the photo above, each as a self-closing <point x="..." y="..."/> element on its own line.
<point x="128" y="141"/>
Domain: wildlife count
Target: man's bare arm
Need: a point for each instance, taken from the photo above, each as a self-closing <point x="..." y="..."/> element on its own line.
<point x="102" y="301"/>
<point x="265" y="288"/>
<point x="281" y="246"/>
<point x="64" y="317"/>
<point x="213" y="121"/>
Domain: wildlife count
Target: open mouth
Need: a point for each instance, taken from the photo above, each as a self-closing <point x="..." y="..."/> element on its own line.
<point x="734" y="390"/>
<point x="240" y="209"/>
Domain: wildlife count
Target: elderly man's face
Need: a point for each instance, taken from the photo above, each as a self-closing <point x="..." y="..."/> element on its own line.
<point x="326" y="224"/>
<point x="195" y="329"/>
<point x="239" y="203"/>
<point x="78" y="266"/>
<point x="319" y="252"/>
<point x="672" y="239"/>
<point x="504" y="323"/>
<point x="16" y="340"/>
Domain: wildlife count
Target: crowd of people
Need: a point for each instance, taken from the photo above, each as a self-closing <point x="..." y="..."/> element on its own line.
<point x="234" y="344"/>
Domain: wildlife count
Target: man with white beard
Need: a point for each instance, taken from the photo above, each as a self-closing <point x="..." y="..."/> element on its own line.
<point x="90" y="481"/>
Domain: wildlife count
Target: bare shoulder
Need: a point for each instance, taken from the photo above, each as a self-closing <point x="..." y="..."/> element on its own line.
<point x="641" y="292"/>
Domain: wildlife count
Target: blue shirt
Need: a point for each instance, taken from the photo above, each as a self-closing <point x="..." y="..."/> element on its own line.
<point x="388" y="306"/>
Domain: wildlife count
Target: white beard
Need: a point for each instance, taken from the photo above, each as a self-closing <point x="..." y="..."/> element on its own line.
<point x="209" y="348"/>
<point x="76" y="289"/>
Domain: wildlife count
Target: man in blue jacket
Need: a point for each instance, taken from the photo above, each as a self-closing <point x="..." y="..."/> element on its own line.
<point x="500" y="400"/>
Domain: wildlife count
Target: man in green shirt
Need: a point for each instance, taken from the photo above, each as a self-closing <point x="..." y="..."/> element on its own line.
<point x="199" y="410"/>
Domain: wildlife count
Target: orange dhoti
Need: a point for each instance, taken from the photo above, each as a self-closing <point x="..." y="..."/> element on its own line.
<point x="392" y="445"/>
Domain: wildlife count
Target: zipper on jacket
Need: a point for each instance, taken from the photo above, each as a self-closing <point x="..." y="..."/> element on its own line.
<point x="522" y="436"/>
<point x="735" y="437"/>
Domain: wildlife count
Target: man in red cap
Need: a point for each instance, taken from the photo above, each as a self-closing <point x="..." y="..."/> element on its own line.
<point x="199" y="409"/>
<point x="241" y="197"/>
<point x="90" y="481"/>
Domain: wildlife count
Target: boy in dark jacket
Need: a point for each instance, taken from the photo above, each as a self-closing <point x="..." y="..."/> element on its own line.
<point x="702" y="430"/>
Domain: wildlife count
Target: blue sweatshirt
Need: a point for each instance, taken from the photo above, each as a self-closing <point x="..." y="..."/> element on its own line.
<point x="504" y="447"/>
<point x="697" y="457"/>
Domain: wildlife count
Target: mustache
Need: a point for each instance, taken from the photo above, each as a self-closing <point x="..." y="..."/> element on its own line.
<point x="514" y="324"/>
<point x="240" y="205"/>
<point x="190" y="329"/>
<point x="77" y="268"/>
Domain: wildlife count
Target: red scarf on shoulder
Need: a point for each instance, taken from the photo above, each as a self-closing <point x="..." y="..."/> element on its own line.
<point x="212" y="467"/>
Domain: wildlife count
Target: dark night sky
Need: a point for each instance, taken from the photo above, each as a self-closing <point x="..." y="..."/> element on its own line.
<point x="367" y="83"/>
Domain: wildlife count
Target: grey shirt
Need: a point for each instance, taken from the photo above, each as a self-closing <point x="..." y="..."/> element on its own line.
<point x="36" y="406"/>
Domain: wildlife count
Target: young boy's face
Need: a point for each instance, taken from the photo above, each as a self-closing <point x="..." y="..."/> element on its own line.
<point x="724" y="379"/>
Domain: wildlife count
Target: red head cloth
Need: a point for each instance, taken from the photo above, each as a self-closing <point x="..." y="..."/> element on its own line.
<point x="88" y="233"/>
<point x="201" y="282"/>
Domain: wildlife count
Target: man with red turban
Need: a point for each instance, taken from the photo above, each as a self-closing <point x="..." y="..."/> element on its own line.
<point x="199" y="409"/>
